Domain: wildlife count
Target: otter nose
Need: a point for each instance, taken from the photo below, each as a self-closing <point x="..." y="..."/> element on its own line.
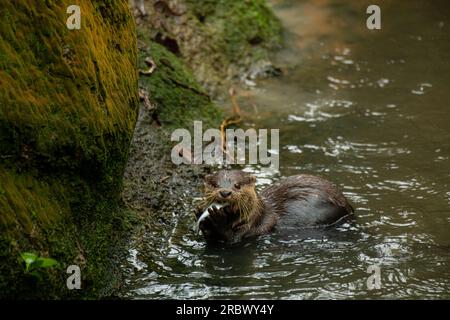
<point x="225" y="193"/>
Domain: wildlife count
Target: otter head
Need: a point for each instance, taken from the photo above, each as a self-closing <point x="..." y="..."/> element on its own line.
<point x="235" y="188"/>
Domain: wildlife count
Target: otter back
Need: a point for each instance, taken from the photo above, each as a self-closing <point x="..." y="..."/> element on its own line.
<point x="315" y="202"/>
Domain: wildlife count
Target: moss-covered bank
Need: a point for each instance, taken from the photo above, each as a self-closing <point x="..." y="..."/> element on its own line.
<point x="68" y="105"/>
<point x="219" y="39"/>
<point x="178" y="97"/>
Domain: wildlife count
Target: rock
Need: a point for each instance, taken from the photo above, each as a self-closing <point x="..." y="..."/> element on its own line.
<point x="68" y="106"/>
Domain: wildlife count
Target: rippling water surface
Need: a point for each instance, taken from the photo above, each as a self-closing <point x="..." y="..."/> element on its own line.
<point x="369" y="110"/>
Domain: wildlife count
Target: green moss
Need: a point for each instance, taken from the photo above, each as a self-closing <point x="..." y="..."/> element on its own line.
<point x="179" y="98"/>
<point x="34" y="217"/>
<point x="22" y="194"/>
<point x="242" y="29"/>
<point x="220" y="39"/>
<point x="68" y="106"/>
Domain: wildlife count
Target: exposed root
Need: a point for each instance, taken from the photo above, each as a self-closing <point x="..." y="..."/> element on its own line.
<point x="234" y="119"/>
<point x="151" y="67"/>
<point x="236" y="109"/>
<point x="143" y="96"/>
<point x="149" y="107"/>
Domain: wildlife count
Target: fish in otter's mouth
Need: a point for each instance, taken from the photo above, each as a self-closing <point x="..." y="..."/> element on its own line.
<point x="205" y="213"/>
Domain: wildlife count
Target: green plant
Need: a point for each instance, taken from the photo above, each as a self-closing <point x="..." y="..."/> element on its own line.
<point x="35" y="264"/>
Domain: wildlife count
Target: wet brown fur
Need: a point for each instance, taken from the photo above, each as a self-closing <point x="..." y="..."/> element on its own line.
<point x="251" y="214"/>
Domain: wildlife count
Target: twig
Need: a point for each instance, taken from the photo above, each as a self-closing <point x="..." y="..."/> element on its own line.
<point x="234" y="119"/>
<point x="152" y="66"/>
<point x="143" y="96"/>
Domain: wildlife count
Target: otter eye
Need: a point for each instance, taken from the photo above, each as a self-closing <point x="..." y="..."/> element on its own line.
<point x="237" y="186"/>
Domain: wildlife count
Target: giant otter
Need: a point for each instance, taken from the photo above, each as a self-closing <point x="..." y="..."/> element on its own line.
<point x="235" y="211"/>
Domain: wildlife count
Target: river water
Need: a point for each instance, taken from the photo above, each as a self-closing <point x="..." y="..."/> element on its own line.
<point x="369" y="110"/>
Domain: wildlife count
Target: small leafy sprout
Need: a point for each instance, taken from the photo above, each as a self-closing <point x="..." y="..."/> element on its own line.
<point x="35" y="264"/>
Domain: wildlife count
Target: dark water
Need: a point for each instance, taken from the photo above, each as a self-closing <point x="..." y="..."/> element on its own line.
<point x="370" y="110"/>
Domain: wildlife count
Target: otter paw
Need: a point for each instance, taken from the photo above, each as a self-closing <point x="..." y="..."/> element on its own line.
<point x="217" y="215"/>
